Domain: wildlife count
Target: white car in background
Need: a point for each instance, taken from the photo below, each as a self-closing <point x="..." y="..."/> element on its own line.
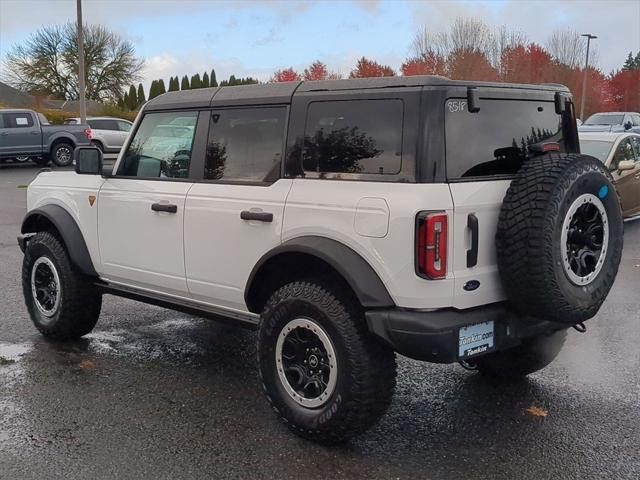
<point x="108" y="133"/>
<point x="620" y="152"/>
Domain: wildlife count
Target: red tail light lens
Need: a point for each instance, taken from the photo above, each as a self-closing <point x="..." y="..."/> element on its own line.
<point x="431" y="244"/>
<point x="88" y="133"/>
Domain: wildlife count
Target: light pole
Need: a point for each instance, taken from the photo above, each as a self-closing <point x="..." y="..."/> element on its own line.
<point x="584" y="78"/>
<point x="81" y="79"/>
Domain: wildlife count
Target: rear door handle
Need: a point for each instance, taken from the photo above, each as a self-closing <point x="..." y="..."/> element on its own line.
<point x="259" y="216"/>
<point x="164" y="207"/>
<point x="472" y="253"/>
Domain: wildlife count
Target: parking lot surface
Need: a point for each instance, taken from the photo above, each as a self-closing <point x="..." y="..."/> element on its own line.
<point x="153" y="393"/>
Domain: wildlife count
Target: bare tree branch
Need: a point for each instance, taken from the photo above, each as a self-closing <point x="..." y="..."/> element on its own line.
<point x="48" y="63"/>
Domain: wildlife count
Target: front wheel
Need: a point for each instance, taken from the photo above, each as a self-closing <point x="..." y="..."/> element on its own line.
<point x="322" y="371"/>
<point x="531" y="355"/>
<point x="62" y="303"/>
<point x="62" y="154"/>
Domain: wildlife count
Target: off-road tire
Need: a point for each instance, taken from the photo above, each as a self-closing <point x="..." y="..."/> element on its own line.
<point x="528" y="239"/>
<point x="80" y="302"/>
<point x="531" y="355"/>
<point x="366" y="369"/>
<point x="58" y="147"/>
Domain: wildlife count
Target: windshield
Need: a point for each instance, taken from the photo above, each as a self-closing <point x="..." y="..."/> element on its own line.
<point x="600" y="119"/>
<point x="596" y="148"/>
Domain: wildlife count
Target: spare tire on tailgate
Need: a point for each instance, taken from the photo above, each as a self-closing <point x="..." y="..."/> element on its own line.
<point x="559" y="238"/>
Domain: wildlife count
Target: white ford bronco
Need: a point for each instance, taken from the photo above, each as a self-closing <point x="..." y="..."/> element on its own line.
<point x="346" y="220"/>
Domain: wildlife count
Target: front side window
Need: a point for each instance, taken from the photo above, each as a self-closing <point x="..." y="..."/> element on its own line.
<point x="124" y="126"/>
<point x="623" y="152"/>
<point x="17" y="120"/>
<point x="159" y="148"/>
<point x="354" y="136"/>
<point x="245" y="144"/>
<point x="635" y="141"/>
<point x="495" y="140"/>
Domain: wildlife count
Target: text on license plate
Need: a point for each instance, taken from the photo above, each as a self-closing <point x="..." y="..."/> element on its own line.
<point x="475" y="339"/>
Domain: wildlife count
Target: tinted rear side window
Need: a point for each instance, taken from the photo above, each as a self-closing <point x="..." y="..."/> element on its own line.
<point x="245" y="144"/>
<point x="354" y="136"/>
<point x="103" y="124"/>
<point x="495" y="140"/>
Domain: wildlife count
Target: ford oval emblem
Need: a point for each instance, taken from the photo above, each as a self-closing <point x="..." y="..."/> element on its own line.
<point x="471" y="285"/>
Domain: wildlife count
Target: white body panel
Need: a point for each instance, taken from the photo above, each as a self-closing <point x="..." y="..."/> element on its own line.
<point x="328" y="208"/>
<point x="221" y="249"/>
<point x="205" y="252"/>
<point x="483" y="199"/>
<point x="138" y="246"/>
<point x="71" y="192"/>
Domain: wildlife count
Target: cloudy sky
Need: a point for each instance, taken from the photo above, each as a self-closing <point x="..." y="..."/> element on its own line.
<point x="255" y="38"/>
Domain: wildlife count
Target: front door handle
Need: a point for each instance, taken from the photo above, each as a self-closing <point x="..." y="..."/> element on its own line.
<point x="472" y="253"/>
<point x="259" y="216"/>
<point x="164" y="207"/>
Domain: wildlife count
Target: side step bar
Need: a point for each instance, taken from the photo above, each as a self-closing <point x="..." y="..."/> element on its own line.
<point x="246" y="320"/>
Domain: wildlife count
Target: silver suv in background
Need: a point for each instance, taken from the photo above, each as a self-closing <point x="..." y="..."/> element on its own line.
<point x="109" y="133"/>
<point x="612" y="122"/>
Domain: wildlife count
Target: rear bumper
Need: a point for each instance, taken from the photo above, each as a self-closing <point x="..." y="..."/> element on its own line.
<point x="434" y="336"/>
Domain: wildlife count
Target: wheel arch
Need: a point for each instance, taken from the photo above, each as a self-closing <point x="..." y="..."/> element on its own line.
<point x="60" y="138"/>
<point x="54" y="217"/>
<point x="295" y="258"/>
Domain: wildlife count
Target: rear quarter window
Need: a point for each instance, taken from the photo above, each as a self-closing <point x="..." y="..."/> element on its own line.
<point x="354" y="137"/>
<point x="495" y="140"/>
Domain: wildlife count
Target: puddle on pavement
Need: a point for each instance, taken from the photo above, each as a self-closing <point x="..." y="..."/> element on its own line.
<point x="11" y="353"/>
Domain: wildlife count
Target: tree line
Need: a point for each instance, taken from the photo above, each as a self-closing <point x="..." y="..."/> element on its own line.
<point x="46" y="65"/>
<point x="135" y="97"/>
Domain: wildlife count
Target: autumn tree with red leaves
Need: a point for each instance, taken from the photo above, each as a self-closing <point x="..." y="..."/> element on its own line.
<point x="318" y="71"/>
<point x="369" y="68"/>
<point x="286" y="75"/>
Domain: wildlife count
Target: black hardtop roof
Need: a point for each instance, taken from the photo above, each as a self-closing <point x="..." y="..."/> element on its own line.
<point x="278" y="93"/>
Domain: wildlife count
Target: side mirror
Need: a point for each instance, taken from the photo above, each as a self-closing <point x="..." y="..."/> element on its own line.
<point x="628" y="125"/>
<point x="88" y="160"/>
<point x="626" y="165"/>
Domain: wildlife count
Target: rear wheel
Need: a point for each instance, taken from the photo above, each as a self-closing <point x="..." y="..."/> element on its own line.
<point x="322" y="371"/>
<point x="62" y="303"/>
<point x="62" y="154"/>
<point x="531" y="355"/>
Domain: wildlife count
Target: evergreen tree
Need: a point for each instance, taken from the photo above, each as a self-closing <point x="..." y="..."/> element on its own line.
<point x="141" y="97"/>
<point x="161" y="87"/>
<point x="212" y="78"/>
<point x="122" y="102"/>
<point x="153" y="89"/>
<point x="176" y="83"/>
<point x="172" y="85"/>
<point x="205" y="80"/>
<point x="185" y="83"/>
<point x="195" y="81"/>
<point x="637" y="60"/>
<point x="630" y="63"/>
<point x="132" y="104"/>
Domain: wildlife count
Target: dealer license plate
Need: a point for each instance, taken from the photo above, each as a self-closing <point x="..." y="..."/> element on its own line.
<point x="475" y="339"/>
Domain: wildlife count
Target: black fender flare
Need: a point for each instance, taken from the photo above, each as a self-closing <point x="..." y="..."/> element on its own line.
<point x="356" y="271"/>
<point x="69" y="232"/>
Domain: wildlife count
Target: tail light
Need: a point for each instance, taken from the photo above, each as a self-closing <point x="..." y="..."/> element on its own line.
<point x="431" y="244"/>
<point x="88" y="133"/>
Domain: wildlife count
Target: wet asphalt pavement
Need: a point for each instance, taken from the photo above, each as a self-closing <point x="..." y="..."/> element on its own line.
<point x="157" y="394"/>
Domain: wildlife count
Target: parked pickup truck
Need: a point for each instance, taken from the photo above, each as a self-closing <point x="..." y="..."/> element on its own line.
<point x="25" y="133"/>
